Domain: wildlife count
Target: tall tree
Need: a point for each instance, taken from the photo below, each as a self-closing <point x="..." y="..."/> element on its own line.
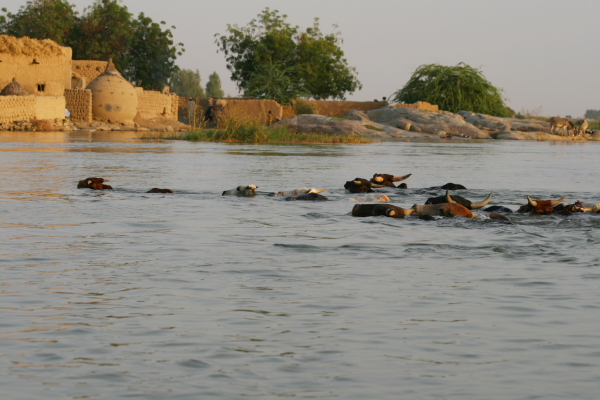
<point x="152" y="54"/>
<point x="213" y="86"/>
<point x="592" y="114"/>
<point x="317" y="61"/>
<point x="187" y="83"/>
<point x="41" y="19"/>
<point x="461" y="87"/>
<point x="105" y="31"/>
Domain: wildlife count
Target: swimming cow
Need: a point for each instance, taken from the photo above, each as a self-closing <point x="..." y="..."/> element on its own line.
<point x="241" y="191"/>
<point x="360" y="185"/>
<point x="541" y="207"/>
<point x="157" y="190"/>
<point x="373" y="210"/>
<point x="388" y="180"/>
<point x="460" y="200"/>
<point x="94" y="183"/>
<point x="307" y="196"/>
<point x="295" y="192"/>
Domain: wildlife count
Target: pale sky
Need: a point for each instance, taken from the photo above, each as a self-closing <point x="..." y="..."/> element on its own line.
<point x="541" y="52"/>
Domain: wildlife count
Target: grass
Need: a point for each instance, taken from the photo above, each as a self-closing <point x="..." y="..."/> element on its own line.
<point x="264" y="135"/>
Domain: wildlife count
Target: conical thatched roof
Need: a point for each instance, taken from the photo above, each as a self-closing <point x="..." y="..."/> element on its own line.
<point x="13" y="89"/>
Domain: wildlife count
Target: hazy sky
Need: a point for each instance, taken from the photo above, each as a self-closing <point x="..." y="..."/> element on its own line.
<point x="541" y="52"/>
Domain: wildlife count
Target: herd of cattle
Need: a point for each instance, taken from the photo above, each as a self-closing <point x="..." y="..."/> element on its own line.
<point x="446" y="205"/>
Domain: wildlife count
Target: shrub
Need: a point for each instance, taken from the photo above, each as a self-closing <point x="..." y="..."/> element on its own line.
<point x="453" y="89"/>
<point x="304" y="107"/>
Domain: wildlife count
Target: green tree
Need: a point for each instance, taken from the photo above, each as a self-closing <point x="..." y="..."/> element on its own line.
<point x="152" y="54"/>
<point x="269" y="49"/>
<point x="41" y="19"/>
<point x="592" y="114"/>
<point x="453" y="89"/>
<point x="213" y="86"/>
<point x="270" y="81"/>
<point x="187" y="83"/>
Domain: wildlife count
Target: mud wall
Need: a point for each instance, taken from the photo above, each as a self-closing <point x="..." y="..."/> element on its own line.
<point x="25" y="108"/>
<point x="337" y="109"/>
<point x="254" y="109"/>
<point x="153" y="104"/>
<point x="41" y="75"/>
<point x="88" y="69"/>
<point x="423" y="105"/>
<point x="79" y="103"/>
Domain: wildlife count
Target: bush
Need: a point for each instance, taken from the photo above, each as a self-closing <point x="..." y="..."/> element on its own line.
<point x="304" y="107"/>
<point x="453" y="89"/>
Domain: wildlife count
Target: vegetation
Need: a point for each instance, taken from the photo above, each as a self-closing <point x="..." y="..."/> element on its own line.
<point x="304" y="107"/>
<point x="453" y="89"/>
<point x="213" y="86"/>
<point x="244" y="128"/>
<point x="187" y="83"/>
<point x="273" y="59"/>
<point x="592" y="114"/>
<point x="140" y="48"/>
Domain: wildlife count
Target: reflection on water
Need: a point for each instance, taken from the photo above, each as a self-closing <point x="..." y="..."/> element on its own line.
<point x="194" y="295"/>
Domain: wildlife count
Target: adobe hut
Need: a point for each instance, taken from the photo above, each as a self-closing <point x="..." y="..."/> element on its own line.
<point x="113" y="98"/>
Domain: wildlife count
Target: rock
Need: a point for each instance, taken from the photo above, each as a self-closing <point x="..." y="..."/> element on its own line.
<point x="427" y="121"/>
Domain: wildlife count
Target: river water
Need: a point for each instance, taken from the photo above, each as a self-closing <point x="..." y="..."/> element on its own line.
<point x="123" y="294"/>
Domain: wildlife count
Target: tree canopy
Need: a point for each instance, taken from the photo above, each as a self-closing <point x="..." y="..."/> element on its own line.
<point x="592" y="114"/>
<point x="213" y="86"/>
<point x="187" y="83"/>
<point x="461" y="87"/>
<point x="270" y="58"/>
<point x="140" y="48"/>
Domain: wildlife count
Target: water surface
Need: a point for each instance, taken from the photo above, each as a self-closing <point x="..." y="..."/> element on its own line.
<point x="123" y="294"/>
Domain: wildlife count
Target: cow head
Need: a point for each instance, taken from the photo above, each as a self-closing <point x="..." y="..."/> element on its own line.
<point x="360" y="185"/>
<point x="94" y="183"/>
<point x="242" y="191"/>
<point x="388" y="180"/>
<point x="541" y="207"/>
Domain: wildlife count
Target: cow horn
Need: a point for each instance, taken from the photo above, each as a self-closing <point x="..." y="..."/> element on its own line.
<point x="531" y="202"/>
<point x="481" y="204"/>
<point x="106" y="180"/>
<point x="358" y="182"/>
<point x="390" y="212"/>
<point x="448" y="198"/>
<point x="401" y="178"/>
<point x="319" y="190"/>
<point x="378" y="178"/>
<point x="384" y="198"/>
<point x="557" y="202"/>
<point x="376" y="185"/>
<point x="89" y="182"/>
<point x="587" y="209"/>
<point x="409" y="211"/>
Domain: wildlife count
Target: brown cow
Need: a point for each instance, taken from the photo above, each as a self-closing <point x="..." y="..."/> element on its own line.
<point x="94" y="183"/>
<point x="541" y="207"/>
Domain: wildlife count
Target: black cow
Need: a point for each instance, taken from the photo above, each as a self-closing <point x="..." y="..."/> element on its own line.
<point x="309" y="196"/>
<point x="460" y="200"/>
<point x="157" y="190"/>
<point x="360" y="185"/>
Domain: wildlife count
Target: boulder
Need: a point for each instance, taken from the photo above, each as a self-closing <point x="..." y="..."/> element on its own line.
<point x="497" y="124"/>
<point x="432" y="122"/>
